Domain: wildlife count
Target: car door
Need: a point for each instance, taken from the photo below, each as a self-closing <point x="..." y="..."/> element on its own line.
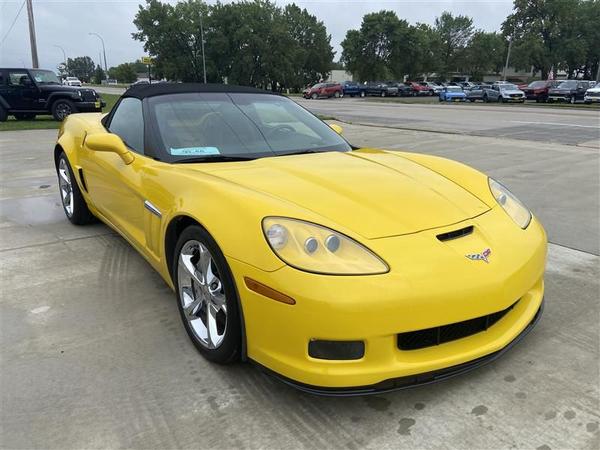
<point x="115" y="187"/>
<point x="582" y="86"/>
<point x="20" y="91"/>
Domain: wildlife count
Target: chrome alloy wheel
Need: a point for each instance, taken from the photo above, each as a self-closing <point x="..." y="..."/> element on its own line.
<point x="201" y="294"/>
<point x="65" y="186"/>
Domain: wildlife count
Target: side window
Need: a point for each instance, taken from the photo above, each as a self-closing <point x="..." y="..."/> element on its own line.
<point x="128" y="123"/>
<point x="19" y="78"/>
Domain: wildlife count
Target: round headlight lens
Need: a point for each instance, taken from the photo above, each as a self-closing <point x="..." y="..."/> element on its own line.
<point x="277" y="236"/>
<point x="511" y="204"/>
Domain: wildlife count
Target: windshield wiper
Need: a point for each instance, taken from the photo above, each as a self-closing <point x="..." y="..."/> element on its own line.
<point x="301" y="152"/>
<point x="215" y="158"/>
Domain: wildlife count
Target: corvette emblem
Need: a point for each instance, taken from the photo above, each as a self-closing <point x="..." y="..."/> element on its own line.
<point x="483" y="256"/>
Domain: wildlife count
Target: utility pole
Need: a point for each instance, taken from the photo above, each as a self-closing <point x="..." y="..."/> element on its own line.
<point x="507" y="58"/>
<point x="34" y="55"/>
<point x="103" y="51"/>
<point x="64" y="57"/>
<point x="202" y="39"/>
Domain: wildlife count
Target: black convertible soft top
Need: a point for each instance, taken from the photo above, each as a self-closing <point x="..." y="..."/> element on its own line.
<point x="142" y="91"/>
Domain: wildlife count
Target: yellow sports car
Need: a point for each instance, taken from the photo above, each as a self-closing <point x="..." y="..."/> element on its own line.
<point x="341" y="270"/>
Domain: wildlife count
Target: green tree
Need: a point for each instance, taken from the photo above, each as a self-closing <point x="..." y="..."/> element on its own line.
<point x="542" y="32"/>
<point x="98" y="75"/>
<point x="123" y="73"/>
<point x="455" y="34"/>
<point x="81" y="67"/>
<point x="485" y="53"/>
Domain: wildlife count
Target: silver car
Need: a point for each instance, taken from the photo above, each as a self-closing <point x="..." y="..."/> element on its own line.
<point x="503" y="92"/>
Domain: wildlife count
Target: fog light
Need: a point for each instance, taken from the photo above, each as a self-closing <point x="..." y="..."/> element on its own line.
<point x="336" y="350"/>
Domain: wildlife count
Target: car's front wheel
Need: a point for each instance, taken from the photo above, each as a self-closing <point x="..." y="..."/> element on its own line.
<point x="207" y="297"/>
<point x="314" y="96"/>
<point x="3" y="114"/>
<point x="62" y="108"/>
<point x="73" y="202"/>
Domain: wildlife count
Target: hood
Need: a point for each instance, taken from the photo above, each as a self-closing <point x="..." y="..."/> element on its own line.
<point x="371" y="192"/>
<point x="61" y="88"/>
<point x="512" y="91"/>
<point x="460" y="94"/>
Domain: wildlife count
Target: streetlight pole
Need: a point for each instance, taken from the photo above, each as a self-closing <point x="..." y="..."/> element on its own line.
<point x="34" y="54"/>
<point x="64" y="56"/>
<point x="202" y="39"/>
<point x="103" y="52"/>
<point x="508" y="54"/>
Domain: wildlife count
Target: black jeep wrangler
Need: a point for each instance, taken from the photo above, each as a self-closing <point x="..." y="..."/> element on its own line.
<point x="25" y="93"/>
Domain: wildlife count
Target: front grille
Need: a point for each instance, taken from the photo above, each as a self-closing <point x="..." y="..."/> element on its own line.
<point x="593" y="94"/>
<point x="429" y="337"/>
<point x="88" y="95"/>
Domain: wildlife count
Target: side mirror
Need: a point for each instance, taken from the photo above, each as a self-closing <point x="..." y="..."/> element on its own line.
<point x="336" y="128"/>
<point x="108" y="142"/>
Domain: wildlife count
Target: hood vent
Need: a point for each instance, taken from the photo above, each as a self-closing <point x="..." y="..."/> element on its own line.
<point x="455" y="234"/>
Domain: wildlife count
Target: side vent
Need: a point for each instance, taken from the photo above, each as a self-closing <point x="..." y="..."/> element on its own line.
<point x="82" y="179"/>
<point x="455" y="234"/>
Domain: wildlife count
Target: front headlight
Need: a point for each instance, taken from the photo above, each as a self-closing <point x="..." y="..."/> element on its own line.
<point x="511" y="204"/>
<point x="315" y="248"/>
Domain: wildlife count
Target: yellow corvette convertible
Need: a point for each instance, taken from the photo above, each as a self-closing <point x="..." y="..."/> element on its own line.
<point x="341" y="270"/>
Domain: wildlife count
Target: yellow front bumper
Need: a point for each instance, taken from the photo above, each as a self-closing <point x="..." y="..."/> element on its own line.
<point x="431" y="283"/>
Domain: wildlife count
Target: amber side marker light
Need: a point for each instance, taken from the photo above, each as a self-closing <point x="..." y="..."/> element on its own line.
<point x="261" y="289"/>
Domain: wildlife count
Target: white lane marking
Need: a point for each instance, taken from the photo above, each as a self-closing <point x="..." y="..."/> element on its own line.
<point x="40" y="310"/>
<point x="558" y="124"/>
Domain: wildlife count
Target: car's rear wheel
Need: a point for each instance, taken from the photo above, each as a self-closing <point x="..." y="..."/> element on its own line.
<point x="3" y="114"/>
<point x="24" y="116"/>
<point x="73" y="202"/>
<point x="207" y="297"/>
<point x="61" y="108"/>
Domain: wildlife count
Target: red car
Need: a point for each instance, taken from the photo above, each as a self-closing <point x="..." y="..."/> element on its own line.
<point x="324" y="90"/>
<point x="538" y="90"/>
<point x="419" y="89"/>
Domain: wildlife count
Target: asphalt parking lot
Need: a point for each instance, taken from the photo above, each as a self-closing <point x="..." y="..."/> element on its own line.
<point x="94" y="354"/>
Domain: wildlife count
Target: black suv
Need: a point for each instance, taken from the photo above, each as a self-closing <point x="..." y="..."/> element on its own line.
<point x="569" y="91"/>
<point x="25" y="93"/>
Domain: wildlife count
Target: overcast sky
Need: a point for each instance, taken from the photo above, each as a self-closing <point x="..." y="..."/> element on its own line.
<point x="67" y="24"/>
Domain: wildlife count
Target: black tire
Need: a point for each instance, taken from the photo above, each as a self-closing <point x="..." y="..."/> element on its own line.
<point x="440" y="99"/>
<point x="24" y="116"/>
<point x="363" y="94"/>
<point x="229" y="349"/>
<point x="3" y="114"/>
<point x="352" y="95"/>
<point x="573" y="100"/>
<point x="485" y="99"/>
<point x="382" y="93"/>
<point x="314" y="96"/>
<point x="80" y="214"/>
<point x="588" y="102"/>
<point x="336" y="94"/>
<point x="430" y="93"/>
<point x="61" y="108"/>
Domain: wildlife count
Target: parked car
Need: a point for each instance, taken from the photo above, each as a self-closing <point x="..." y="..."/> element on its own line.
<point x="381" y="89"/>
<point x="403" y="89"/>
<point x="476" y="92"/>
<point x="466" y="85"/>
<point x="72" y="81"/>
<point x="438" y="269"/>
<point x="26" y="93"/>
<point x="592" y="95"/>
<point x="436" y="88"/>
<point x="139" y="82"/>
<point x="353" y="89"/>
<point x="569" y="91"/>
<point x="325" y="90"/>
<point x="538" y="90"/>
<point x="503" y="92"/>
<point x="419" y="88"/>
<point x="452" y="94"/>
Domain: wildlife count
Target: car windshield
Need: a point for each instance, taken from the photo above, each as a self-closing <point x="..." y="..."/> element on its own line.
<point x="246" y="126"/>
<point x="44" y="76"/>
<point x="453" y="89"/>
<point x="508" y="87"/>
<point x="318" y="85"/>
<point x="571" y="84"/>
